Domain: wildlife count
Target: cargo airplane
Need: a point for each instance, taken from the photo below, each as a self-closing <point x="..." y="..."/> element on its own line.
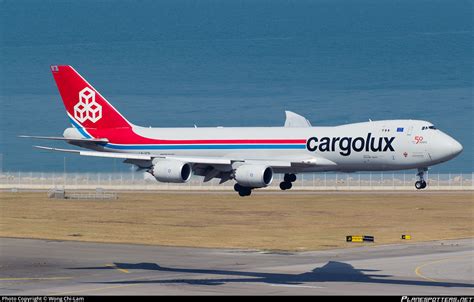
<point x="250" y="156"/>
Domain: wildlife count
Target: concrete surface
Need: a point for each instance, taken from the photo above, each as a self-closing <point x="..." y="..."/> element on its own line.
<point x="40" y="267"/>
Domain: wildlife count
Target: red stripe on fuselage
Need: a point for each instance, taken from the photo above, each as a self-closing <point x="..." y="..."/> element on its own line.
<point x="127" y="136"/>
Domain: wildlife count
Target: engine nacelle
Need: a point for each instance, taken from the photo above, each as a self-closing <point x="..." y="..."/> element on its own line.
<point x="254" y="176"/>
<point x="175" y="171"/>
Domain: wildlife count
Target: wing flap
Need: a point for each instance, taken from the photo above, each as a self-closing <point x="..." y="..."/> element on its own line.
<point x="314" y="161"/>
<point x="200" y="159"/>
<point x="289" y="161"/>
<point x="272" y="163"/>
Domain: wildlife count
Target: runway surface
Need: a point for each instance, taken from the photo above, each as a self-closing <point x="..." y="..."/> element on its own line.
<point x="41" y="267"/>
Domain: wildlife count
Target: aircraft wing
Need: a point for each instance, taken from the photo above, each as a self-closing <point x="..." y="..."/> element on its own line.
<point x="142" y="157"/>
<point x="133" y="157"/>
<point x="100" y="154"/>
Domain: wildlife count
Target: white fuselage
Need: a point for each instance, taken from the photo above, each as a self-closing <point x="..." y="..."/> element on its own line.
<point x="366" y="146"/>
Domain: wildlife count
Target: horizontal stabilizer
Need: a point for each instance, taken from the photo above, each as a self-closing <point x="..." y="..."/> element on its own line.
<point x="60" y="138"/>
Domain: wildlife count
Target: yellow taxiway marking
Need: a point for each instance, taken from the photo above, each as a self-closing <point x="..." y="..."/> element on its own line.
<point x="117" y="268"/>
<point x="418" y="269"/>
<point x="38" y="278"/>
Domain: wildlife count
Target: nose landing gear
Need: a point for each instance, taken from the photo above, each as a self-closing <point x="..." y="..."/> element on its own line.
<point x="421" y="184"/>
<point x="288" y="179"/>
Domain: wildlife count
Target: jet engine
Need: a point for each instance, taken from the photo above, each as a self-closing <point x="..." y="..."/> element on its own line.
<point x="172" y="171"/>
<point x="254" y="176"/>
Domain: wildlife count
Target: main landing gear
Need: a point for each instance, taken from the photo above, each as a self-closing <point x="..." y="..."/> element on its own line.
<point x="243" y="191"/>
<point x="288" y="179"/>
<point x="421" y="184"/>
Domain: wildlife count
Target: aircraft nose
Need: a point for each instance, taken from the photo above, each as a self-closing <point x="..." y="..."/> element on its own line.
<point x="454" y="147"/>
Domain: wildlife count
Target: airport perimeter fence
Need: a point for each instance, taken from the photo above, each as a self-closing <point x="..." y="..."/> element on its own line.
<point x="139" y="181"/>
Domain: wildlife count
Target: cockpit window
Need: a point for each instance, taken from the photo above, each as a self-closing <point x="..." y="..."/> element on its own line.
<point x="428" y="127"/>
<point x="432" y="127"/>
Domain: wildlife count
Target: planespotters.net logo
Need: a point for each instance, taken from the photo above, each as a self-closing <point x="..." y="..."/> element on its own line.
<point x="437" y="299"/>
<point x="87" y="108"/>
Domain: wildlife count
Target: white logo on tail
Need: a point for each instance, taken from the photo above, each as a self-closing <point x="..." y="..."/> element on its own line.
<point x="87" y="108"/>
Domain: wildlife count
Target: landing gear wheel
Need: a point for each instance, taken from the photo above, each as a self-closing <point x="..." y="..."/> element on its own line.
<point x="237" y="187"/>
<point x="289" y="178"/>
<point x="420" y="185"/>
<point x="284" y="185"/>
<point x="244" y="191"/>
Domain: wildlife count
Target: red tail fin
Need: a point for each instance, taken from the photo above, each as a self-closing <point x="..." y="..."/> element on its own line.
<point x="84" y="104"/>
